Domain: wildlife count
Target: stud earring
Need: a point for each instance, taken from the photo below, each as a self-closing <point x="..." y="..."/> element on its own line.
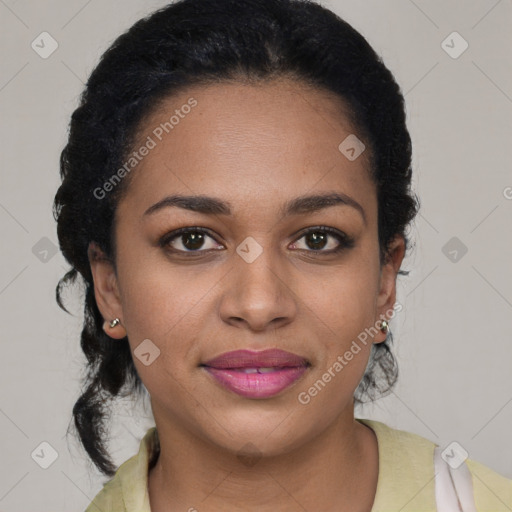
<point x="384" y="326"/>
<point x="114" y="322"/>
<point x="109" y="326"/>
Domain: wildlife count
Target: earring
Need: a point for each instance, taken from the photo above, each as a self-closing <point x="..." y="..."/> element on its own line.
<point x="384" y="326"/>
<point x="110" y="329"/>
<point x="114" y="322"/>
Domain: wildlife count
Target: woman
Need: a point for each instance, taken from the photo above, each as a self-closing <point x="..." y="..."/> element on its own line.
<point x="235" y="196"/>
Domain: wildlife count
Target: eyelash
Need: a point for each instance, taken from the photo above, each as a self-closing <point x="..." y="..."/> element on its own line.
<point x="345" y="241"/>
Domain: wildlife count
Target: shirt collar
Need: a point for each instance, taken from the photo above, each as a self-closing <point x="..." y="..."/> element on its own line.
<point x="399" y="470"/>
<point x="134" y="479"/>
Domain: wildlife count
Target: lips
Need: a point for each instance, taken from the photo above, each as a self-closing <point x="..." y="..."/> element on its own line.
<point x="265" y="359"/>
<point x="256" y="374"/>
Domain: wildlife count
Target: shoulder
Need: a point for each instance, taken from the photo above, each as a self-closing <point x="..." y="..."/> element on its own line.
<point x="127" y="490"/>
<point x="406" y="470"/>
<point x="394" y="436"/>
<point x="408" y="458"/>
<point x="406" y="449"/>
<point x="109" y="499"/>
<point x="492" y="491"/>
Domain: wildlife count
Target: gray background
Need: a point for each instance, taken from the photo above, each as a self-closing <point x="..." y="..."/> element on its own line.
<point x="453" y="337"/>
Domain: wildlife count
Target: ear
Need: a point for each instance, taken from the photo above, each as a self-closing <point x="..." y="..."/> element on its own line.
<point x="387" y="290"/>
<point x="106" y="290"/>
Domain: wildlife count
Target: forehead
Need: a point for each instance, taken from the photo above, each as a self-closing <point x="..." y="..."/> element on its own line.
<point x="244" y="140"/>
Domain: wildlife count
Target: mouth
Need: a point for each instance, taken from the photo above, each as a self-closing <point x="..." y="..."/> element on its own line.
<point x="260" y="374"/>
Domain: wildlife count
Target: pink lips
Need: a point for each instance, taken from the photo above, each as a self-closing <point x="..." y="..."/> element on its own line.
<point x="256" y="374"/>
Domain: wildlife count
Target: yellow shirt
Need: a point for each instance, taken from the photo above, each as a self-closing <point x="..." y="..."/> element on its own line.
<point x="405" y="482"/>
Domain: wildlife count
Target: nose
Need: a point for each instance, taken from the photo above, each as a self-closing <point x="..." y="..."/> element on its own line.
<point x="258" y="295"/>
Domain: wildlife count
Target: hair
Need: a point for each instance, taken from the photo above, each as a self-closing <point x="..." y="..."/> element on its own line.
<point x="193" y="42"/>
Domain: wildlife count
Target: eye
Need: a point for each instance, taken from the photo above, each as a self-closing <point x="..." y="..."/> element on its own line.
<point x="324" y="239"/>
<point x="192" y="239"/>
<point x="319" y="239"/>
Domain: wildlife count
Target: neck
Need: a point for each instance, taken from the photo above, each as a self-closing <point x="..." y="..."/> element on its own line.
<point x="337" y="470"/>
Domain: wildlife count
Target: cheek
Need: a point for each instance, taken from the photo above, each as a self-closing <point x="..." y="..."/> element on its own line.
<point x="155" y="294"/>
<point x="345" y="300"/>
<point x="167" y="305"/>
<point x="345" y="314"/>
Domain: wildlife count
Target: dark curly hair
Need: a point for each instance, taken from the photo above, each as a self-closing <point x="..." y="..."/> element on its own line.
<point x="194" y="42"/>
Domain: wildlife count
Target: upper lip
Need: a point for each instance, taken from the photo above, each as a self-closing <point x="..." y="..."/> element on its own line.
<point x="261" y="359"/>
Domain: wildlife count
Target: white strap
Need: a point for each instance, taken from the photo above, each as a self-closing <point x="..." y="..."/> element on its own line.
<point x="453" y="487"/>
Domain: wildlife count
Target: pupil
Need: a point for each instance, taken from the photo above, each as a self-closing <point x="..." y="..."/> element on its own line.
<point x="196" y="240"/>
<point x="317" y="238"/>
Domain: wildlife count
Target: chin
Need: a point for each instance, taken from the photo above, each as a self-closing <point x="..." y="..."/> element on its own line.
<point x="267" y="433"/>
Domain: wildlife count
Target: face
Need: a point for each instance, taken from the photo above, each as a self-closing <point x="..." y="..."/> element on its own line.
<point x="254" y="266"/>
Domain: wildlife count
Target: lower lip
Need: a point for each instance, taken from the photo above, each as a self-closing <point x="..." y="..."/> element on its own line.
<point x="257" y="385"/>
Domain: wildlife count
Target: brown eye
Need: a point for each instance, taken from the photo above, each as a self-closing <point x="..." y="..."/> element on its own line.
<point x="320" y="239"/>
<point x="323" y="239"/>
<point x="189" y="240"/>
<point x="316" y="240"/>
<point x="192" y="240"/>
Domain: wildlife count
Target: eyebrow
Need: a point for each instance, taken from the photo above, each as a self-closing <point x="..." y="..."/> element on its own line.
<point x="214" y="206"/>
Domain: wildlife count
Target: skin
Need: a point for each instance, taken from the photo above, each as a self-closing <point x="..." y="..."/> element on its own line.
<point x="256" y="147"/>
